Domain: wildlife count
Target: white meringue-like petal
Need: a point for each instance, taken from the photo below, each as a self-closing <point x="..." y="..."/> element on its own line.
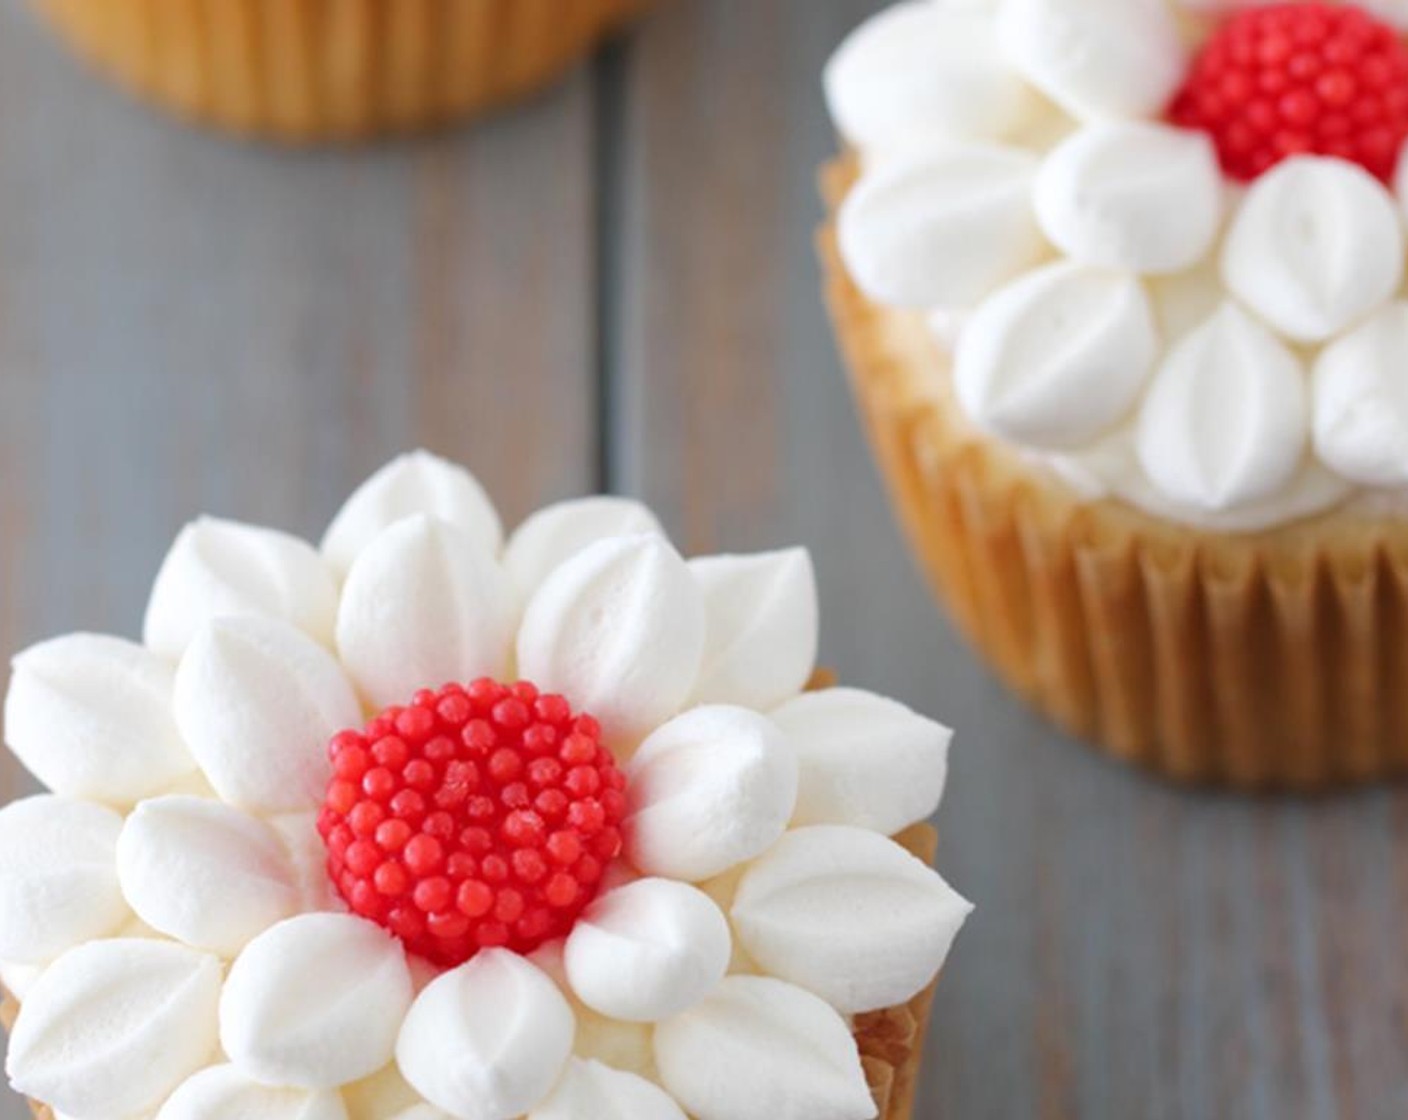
<point x="941" y="229"/>
<point x="112" y="1027"/>
<point x="18" y="978"/>
<point x="1361" y="401"/>
<point x="204" y="873"/>
<point x="762" y="1049"/>
<point x="648" y="950"/>
<point x="710" y="789"/>
<point x="423" y="605"/>
<point x="1097" y="59"/>
<point x="488" y="1040"/>
<point x="848" y="914"/>
<point x="761" y="634"/>
<point x="1054" y="359"/>
<point x="90" y="716"/>
<point x="865" y="760"/>
<point x="1226" y="419"/>
<point x="223" y="1093"/>
<point x="558" y="532"/>
<point x="592" y="1091"/>
<point x="223" y="568"/>
<point x="614" y="1042"/>
<point x="417" y="483"/>
<point x="315" y="1002"/>
<point x="386" y="1095"/>
<point x="1316" y="245"/>
<point x="257" y="703"/>
<point x="58" y="881"/>
<point x="1142" y="197"/>
<point x="308" y="860"/>
<point x="619" y="631"/>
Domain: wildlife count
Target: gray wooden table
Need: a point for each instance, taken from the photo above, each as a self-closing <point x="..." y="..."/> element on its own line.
<point x="614" y="288"/>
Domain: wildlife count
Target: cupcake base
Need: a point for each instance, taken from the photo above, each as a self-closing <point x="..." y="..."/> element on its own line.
<point x="1272" y="660"/>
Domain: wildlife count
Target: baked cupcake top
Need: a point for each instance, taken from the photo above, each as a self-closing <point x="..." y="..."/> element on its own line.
<point x="1161" y="241"/>
<point x="626" y="867"/>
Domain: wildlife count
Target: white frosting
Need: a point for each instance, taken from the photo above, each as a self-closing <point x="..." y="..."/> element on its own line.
<point x="710" y="789"/>
<point x="761" y="635"/>
<point x="222" y="568"/>
<point x="308" y="860"/>
<point x="848" y="914"/>
<point x="204" y="873"/>
<point x="90" y="716"/>
<point x="761" y="1049"/>
<point x="424" y="604"/>
<point x="865" y="760"/>
<point x="1361" y="401"/>
<point x="1141" y="197"/>
<point x="648" y="950"/>
<point x="489" y="1040"/>
<point x="223" y="1093"/>
<point x="18" y="978"/>
<point x="386" y="1095"/>
<point x="619" y="631"/>
<point x="257" y="703"/>
<point x="943" y="228"/>
<point x="112" y="1027"/>
<point x="315" y="1002"/>
<point x="558" y="532"/>
<point x="592" y="1091"/>
<point x="418" y="483"/>
<point x="1057" y="357"/>
<point x="58" y="885"/>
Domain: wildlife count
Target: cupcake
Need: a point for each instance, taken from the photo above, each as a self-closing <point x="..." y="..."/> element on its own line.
<point x="632" y="861"/>
<point x="304" y="70"/>
<point x="1121" y="288"/>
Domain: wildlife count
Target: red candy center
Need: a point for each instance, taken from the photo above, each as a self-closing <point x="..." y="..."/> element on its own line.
<point x="473" y="817"/>
<point x="1303" y="78"/>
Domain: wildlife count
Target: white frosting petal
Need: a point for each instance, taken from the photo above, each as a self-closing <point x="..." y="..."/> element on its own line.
<point x="424" y="604"/>
<point x="1225" y="421"/>
<point x="222" y="568"/>
<point x="1054" y="359"/>
<point x="865" y="760"/>
<point x="648" y="950"/>
<point x="204" y="873"/>
<point x="592" y="1091"/>
<point x="257" y="703"/>
<point x="711" y="788"/>
<point x="761" y="1049"/>
<point x="619" y="631"/>
<point x="223" y="1093"/>
<point x="1098" y="59"/>
<point x="1143" y="197"/>
<point x="848" y="914"/>
<point x="308" y="859"/>
<point x="1316" y="245"/>
<point x="18" y="978"/>
<point x="315" y="1002"/>
<point x="942" y="229"/>
<point x="90" y="716"/>
<point x="761" y="634"/>
<point x="385" y="1095"/>
<point x="418" y="483"/>
<point x="488" y="1040"/>
<point x="112" y="1027"/>
<point x="558" y="532"/>
<point x="919" y="72"/>
<point x="1361" y="401"/>
<point x="58" y="882"/>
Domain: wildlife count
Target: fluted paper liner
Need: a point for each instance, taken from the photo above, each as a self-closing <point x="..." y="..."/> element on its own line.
<point x="1271" y="660"/>
<point x="306" y="70"/>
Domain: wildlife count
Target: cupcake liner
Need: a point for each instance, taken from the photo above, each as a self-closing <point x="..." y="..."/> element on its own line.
<point x="1272" y="660"/>
<point x="303" y="70"/>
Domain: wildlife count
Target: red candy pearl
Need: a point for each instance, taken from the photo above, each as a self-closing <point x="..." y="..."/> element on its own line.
<point x="472" y="817"/>
<point x="1300" y="78"/>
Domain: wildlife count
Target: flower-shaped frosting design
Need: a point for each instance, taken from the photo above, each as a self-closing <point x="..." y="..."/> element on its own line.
<point x="1121" y="300"/>
<point x="166" y="913"/>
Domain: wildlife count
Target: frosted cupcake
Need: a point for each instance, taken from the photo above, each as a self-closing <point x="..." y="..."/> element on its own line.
<point x="1121" y="286"/>
<point x="627" y="864"/>
<point x="303" y="70"/>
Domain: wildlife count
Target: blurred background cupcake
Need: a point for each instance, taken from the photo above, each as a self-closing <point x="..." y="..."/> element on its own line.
<point x="308" y="70"/>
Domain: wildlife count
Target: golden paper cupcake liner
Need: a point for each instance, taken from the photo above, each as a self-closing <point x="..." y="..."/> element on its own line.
<point x="303" y="70"/>
<point x="1272" y="660"/>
